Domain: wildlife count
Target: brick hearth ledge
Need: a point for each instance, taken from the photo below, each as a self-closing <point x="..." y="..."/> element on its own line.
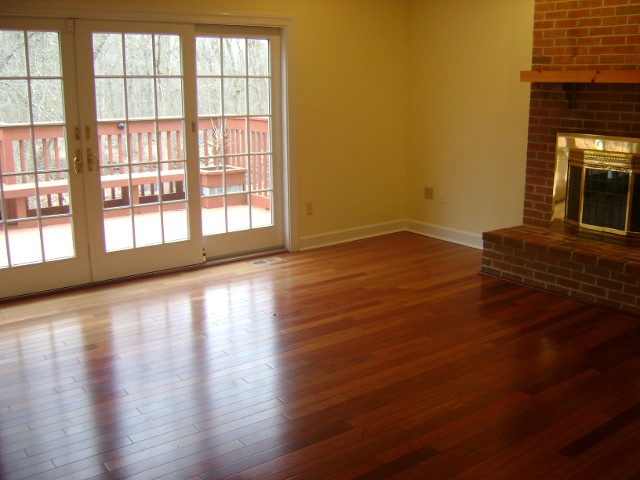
<point x="596" y="272"/>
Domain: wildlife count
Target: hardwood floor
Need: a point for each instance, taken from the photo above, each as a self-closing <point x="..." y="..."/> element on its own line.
<point x="384" y="358"/>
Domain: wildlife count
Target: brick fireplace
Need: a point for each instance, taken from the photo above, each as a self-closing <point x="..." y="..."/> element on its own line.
<point x="585" y="79"/>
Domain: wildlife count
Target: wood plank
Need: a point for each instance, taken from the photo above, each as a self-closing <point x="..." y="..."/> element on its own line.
<point x="386" y="357"/>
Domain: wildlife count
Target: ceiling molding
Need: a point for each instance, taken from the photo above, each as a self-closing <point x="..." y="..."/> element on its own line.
<point x="45" y="8"/>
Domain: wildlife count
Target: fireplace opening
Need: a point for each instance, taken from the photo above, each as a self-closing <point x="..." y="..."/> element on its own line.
<point x="596" y="192"/>
<point x="605" y="198"/>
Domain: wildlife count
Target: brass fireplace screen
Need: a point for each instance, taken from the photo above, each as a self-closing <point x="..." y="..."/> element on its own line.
<point x="597" y="189"/>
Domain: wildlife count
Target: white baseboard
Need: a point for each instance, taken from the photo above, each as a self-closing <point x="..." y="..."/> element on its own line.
<point x="459" y="237"/>
<point x="350" y="234"/>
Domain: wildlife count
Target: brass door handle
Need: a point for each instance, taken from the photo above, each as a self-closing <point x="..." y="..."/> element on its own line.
<point x="77" y="162"/>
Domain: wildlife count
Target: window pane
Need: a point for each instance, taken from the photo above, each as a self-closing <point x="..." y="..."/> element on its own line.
<point x="26" y="161"/>
<point x="211" y="137"/>
<point x="258" y="57"/>
<point x="260" y="172"/>
<point x="235" y="174"/>
<point x="54" y="194"/>
<point x="138" y="54"/>
<point x="47" y="101"/>
<point x="12" y="52"/>
<point x="208" y="56"/>
<point x="44" y="54"/>
<point x="143" y="144"/>
<point x="239" y="214"/>
<point x="107" y="54"/>
<point x="261" y="211"/>
<point x="235" y="96"/>
<point x="14" y="103"/>
<point x="173" y="182"/>
<point x="24" y="243"/>
<point x="140" y="98"/>
<point x="148" y="226"/>
<point x="214" y="220"/>
<point x="112" y="141"/>
<point x="115" y="187"/>
<point x="58" y="238"/>
<point x="118" y="230"/>
<point x="171" y="144"/>
<point x="22" y="159"/>
<point x="209" y="97"/>
<point x="260" y="135"/>
<point x="21" y="183"/>
<point x="175" y="222"/>
<point x="169" y="97"/>
<point x="110" y="98"/>
<point x="259" y="96"/>
<point x="51" y="147"/>
<point x="234" y="56"/>
<point x="235" y="130"/>
<point x="168" y="55"/>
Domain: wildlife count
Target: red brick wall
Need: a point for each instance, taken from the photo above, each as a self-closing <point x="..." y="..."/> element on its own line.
<point x="604" y="274"/>
<point x="578" y="35"/>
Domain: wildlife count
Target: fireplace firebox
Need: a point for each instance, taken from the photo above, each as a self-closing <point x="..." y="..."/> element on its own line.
<point x="596" y="191"/>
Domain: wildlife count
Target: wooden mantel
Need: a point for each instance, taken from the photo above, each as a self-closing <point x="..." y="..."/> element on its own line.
<point x="580" y="76"/>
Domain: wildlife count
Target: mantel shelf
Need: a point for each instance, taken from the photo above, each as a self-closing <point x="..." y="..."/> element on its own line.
<point x="580" y="76"/>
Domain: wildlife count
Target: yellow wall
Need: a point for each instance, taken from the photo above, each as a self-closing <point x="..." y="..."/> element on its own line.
<point x="390" y="96"/>
<point x="469" y="111"/>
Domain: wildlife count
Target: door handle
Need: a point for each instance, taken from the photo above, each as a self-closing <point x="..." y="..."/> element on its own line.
<point x="77" y="162"/>
<point x="91" y="157"/>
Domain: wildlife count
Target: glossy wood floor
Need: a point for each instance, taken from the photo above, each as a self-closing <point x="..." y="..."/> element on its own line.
<point x="384" y="358"/>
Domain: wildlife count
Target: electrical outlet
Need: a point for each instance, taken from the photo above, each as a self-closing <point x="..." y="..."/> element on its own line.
<point x="428" y="193"/>
<point x="309" y="208"/>
<point x="442" y="196"/>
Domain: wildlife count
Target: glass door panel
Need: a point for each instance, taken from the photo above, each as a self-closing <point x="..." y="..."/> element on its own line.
<point x="34" y="170"/>
<point x="235" y="117"/>
<point x="139" y="103"/>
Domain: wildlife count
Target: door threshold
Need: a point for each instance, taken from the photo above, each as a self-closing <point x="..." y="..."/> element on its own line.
<point x="187" y="268"/>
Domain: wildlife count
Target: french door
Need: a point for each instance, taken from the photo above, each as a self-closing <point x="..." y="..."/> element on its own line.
<point x="140" y="158"/>
<point x="238" y="88"/>
<point x="164" y="150"/>
<point x="43" y="235"/>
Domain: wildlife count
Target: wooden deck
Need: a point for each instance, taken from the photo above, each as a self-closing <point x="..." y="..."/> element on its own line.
<point x="59" y="244"/>
<point x="390" y="357"/>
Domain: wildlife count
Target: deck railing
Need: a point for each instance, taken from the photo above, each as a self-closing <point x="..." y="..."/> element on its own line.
<point x="136" y="146"/>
